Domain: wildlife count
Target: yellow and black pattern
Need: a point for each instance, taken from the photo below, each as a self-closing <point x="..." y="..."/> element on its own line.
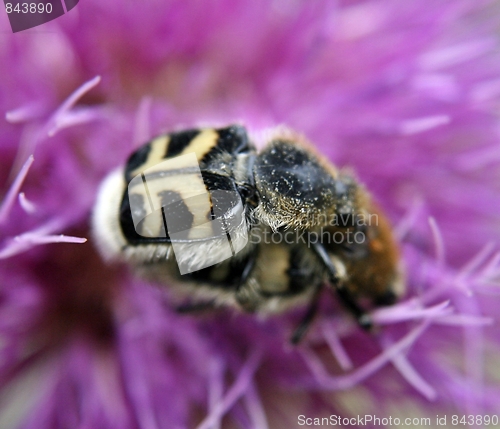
<point x="176" y="180"/>
<point x="206" y="144"/>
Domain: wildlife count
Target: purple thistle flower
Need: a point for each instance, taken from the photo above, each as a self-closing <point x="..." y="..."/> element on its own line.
<point x="403" y="93"/>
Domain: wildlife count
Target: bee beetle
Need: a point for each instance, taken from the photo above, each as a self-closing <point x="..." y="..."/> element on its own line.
<point x="202" y="212"/>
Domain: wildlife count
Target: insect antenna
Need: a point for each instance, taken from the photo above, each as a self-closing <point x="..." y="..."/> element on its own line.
<point x="345" y="296"/>
<point x="306" y="321"/>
